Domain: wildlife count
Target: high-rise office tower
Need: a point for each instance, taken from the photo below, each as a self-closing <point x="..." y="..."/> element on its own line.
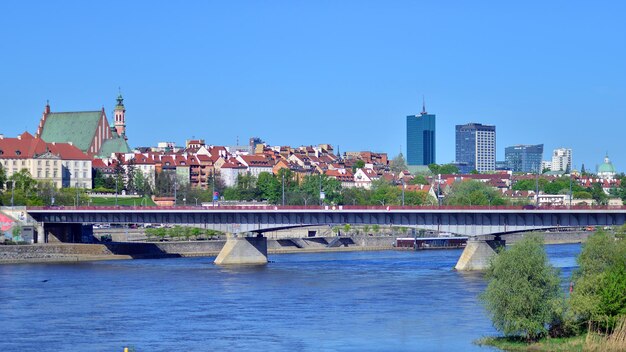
<point x="476" y="146"/>
<point x="420" y="138"/>
<point x="524" y="158"/>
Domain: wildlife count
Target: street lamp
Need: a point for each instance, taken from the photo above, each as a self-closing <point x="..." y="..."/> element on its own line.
<point x="403" y="186"/>
<point x="175" y="178"/>
<point x="570" y="190"/>
<point x="196" y="200"/>
<point x="213" y="192"/>
<point x="283" y="189"/>
<point x="115" y="190"/>
<point x="438" y="190"/>
<point x="12" y="191"/>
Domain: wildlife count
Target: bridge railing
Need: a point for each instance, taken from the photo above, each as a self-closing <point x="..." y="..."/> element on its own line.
<point x="329" y="208"/>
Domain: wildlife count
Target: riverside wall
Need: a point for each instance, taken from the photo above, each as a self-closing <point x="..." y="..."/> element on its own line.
<point x="73" y="252"/>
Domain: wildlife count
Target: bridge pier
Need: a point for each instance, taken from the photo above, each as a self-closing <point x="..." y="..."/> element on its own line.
<point x="243" y="251"/>
<point x="478" y="253"/>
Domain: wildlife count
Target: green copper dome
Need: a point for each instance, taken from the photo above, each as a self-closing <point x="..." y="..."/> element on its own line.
<point x="607" y="166"/>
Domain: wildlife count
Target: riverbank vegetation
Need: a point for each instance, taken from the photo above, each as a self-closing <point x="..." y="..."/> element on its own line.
<point x="525" y="302"/>
<point x="178" y="232"/>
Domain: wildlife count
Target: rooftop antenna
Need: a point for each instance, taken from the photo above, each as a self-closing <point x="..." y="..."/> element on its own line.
<point x="423" y="106"/>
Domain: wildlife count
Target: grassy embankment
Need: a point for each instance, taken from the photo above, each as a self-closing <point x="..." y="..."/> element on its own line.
<point x="592" y="341"/>
<point x="575" y="343"/>
<point x="110" y="201"/>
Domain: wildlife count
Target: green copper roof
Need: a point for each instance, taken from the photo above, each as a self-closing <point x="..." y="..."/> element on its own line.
<point x="606" y="167"/>
<point x="115" y="145"/>
<point x="76" y="127"/>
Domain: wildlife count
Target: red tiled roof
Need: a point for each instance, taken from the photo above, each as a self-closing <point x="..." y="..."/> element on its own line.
<point x="67" y="152"/>
<point x="26" y="147"/>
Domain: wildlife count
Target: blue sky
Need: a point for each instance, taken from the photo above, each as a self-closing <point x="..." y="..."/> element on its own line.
<point x="339" y="72"/>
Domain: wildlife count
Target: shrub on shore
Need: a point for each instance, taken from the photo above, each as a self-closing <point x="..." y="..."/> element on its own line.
<point x="523" y="297"/>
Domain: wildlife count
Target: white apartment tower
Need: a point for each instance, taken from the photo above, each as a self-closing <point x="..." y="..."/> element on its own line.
<point x="561" y="159"/>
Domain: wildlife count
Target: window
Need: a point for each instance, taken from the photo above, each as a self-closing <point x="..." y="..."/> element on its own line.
<point x="17" y="152"/>
<point x="39" y="162"/>
<point x="47" y="162"/>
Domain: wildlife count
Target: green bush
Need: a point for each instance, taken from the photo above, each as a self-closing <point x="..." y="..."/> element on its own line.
<point x="599" y="295"/>
<point x="523" y="297"/>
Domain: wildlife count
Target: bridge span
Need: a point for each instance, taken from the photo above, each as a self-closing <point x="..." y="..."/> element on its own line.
<point x="474" y="222"/>
<point x="465" y="221"/>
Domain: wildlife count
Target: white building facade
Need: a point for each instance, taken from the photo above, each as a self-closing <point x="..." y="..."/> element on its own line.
<point x="561" y="159"/>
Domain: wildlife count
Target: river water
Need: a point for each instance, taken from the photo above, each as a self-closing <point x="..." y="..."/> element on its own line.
<point x="341" y="301"/>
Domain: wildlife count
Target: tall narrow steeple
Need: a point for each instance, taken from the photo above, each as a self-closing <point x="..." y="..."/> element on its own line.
<point x="120" y="117"/>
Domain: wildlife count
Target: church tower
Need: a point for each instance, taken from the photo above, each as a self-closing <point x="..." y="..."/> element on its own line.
<point x="120" y="118"/>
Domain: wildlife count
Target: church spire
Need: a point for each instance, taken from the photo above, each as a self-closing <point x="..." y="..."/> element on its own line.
<point x="120" y="116"/>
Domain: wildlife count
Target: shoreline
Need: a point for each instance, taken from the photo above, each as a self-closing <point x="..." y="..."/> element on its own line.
<point x="77" y="253"/>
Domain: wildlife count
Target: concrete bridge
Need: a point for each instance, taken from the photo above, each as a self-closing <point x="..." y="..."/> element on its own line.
<point x="474" y="222"/>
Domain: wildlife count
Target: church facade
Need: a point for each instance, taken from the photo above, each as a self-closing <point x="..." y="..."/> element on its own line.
<point x="89" y="131"/>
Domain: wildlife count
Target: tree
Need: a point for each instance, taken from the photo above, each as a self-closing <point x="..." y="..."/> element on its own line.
<point x="384" y="193"/>
<point x="23" y="181"/>
<point x="581" y="195"/>
<point x="347" y="228"/>
<point x="471" y="192"/>
<point x="523" y="295"/>
<point x="269" y="187"/>
<point x="448" y="169"/>
<point x="131" y="173"/>
<point x="3" y="178"/>
<point x="356" y="196"/>
<point x="163" y="184"/>
<point x="16" y="232"/>
<point x="398" y="163"/>
<point x="359" y="164"/>
<point x="530" y="184"/>
<point x="418" y="198"/>
<point x="419" y="180"/>
<point x="330" y="186"/>
<point x="119" y="173"/>
<point x="599" y="295"/>
<point x="597" y="193"/>
<point x="196" y="232"/>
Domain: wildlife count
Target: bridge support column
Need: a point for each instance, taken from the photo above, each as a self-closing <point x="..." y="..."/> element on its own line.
<point x="243" y="251"/>
<point x="478" y="253"/>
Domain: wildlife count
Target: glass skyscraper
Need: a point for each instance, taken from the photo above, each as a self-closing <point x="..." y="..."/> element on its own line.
<point x="476" y="146"/>
<point x="420" y="139"/>
<point x="524" y="158"/>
